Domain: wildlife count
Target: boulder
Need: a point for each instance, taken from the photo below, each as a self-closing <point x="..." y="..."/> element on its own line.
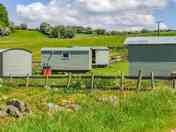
<point x="13" y="111"/>
<point x="21" y="106"/>
<point x="3" y="114"/>
<point x="3" y="111"/>
<point x="55" y="107"/>
<point x="108" y="99"/>
<point x="74" y="107"/>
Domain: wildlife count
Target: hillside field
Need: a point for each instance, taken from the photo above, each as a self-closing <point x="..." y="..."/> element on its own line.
<point x="34" y="41"/>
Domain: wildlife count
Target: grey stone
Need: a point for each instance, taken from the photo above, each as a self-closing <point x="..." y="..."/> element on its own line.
<point x="3" y="114"/>
<point x="74" y="107"/>
<point x="52" y="106"/>
<point x="108" y="99"/>
<point x="21" y="106"/>
<point x="13" y="111"/>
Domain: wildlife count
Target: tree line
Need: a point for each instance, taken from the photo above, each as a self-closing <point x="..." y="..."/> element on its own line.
<point x="70" y="31"/>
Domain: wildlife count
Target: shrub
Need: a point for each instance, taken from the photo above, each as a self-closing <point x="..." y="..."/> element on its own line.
<point x="23" y="26"/>
<point x="4" y="31"/>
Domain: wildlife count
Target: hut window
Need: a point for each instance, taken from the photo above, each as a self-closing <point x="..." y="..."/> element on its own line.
<point x="66" y="55"/>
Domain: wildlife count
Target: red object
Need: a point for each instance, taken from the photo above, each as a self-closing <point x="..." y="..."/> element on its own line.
<point x="47" y="71"/>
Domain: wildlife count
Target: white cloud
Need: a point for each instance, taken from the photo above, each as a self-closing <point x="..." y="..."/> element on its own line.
<point x="109" y="14"/>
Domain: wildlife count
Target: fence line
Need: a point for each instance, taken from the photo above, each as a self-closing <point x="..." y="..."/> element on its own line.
<point x="93" y="78"/>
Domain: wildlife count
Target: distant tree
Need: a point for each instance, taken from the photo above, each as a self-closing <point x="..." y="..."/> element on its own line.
<point x="23" y="26"/>
<point x="100" y="31"/>
<point x="4" y="21"/>
<point x="144" y="31"/>
<point x="45" y="28"/>
<point x="62" y="32"/>
<point x="68" y="34"/>
<point x="114" y="32"/>
<point x="88" y="30"/>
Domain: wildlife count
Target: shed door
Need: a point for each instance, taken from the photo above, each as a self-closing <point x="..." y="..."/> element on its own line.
<point x="102" y="57"/>
<point x="17" y="63"/>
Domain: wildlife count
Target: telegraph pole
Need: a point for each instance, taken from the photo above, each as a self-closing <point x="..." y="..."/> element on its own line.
<point x="158" y="27"/>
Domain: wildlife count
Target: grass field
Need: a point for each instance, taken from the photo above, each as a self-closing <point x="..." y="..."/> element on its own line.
<point x="150" y="111"/>
<point x="136" y="112"/>
<point x="34" y="41"/>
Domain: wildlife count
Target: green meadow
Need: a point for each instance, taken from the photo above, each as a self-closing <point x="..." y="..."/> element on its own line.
<point x="152" y="111"/>
<point x="143" y="111"/>
<point x="34" y="41"/>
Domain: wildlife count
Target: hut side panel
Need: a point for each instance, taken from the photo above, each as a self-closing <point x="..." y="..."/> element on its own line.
<point x="77" y="60"/>
<point x="102" y="57"/>
<point x="152" y="53"/>
<point x="160" y="59"/>
<point x="158" y="68"/>
<point x="17" y="63"/>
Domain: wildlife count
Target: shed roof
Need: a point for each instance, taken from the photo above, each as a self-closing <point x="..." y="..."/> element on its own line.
<point x="94" y="47"/>
<point x="150" y="40"/>
<point x="7" y="49"/>
<point x="66" y="49"/>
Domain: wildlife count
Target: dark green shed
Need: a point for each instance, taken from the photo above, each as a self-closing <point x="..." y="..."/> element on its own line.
<point x="151" y="54"/>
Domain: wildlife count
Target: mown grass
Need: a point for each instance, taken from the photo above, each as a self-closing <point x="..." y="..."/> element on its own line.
<point x="114" y="69"/>
<point x="137" y="112"/>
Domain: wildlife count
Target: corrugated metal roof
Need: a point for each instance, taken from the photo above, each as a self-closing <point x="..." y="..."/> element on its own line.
<point x="66" y="49"/>
<point x="150" y="40"/>
<point x="94" y="47"/>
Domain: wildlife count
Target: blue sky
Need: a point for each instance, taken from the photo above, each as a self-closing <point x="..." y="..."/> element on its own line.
<point x="120" y="15"/>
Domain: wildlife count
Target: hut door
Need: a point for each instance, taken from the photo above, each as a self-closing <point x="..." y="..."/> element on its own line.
<point x="93" y="56"/>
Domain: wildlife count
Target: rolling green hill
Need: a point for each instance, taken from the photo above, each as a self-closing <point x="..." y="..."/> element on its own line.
<point x="34" y="41"/>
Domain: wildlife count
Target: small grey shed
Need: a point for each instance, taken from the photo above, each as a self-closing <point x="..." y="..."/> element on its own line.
<point x="151" y="54"/>
<point x="67" y="59"/>
<point x="15" y="62"/>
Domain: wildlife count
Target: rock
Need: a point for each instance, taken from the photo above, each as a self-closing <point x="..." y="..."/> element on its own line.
<point x="21" y="106"/>
<point x="108" y="99"/>
<point x="3" y="114"/>
<point x="52" y="106"/>
<point x="13" y="111"/>
<point x="74" y="107"/>
<point x="3" y="111"/>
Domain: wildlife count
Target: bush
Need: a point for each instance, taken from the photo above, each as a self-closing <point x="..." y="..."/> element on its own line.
<point x="45" y="28"/>
<point x="100" y="31"/>
<point x="4" y="31"/>
<point x="62" y="32"/>
<point x="24" y="26"/>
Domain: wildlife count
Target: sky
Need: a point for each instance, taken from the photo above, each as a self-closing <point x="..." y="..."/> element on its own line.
<point x="108" y="14"/>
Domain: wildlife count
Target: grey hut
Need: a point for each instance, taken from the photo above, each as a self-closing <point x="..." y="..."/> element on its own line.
<point x="15" y="62"/>
<point x="151" y="54"/>
<point x="67" y="59"/>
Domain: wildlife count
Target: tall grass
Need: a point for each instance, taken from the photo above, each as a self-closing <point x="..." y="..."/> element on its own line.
<point x="148" y="111"/>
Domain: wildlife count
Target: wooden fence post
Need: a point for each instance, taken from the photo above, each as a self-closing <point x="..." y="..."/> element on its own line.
<point x="92" y="81"/>
<point x="122" y="81"/>
<point x="11" y="79"/>
<point x="173" y="76"/>
<point x="138" y="88"/>
<point x="46" y="81"/>
<point x="152" y="81"/>
<point x="69" y="80"/>
<point x="27" y="81"/>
